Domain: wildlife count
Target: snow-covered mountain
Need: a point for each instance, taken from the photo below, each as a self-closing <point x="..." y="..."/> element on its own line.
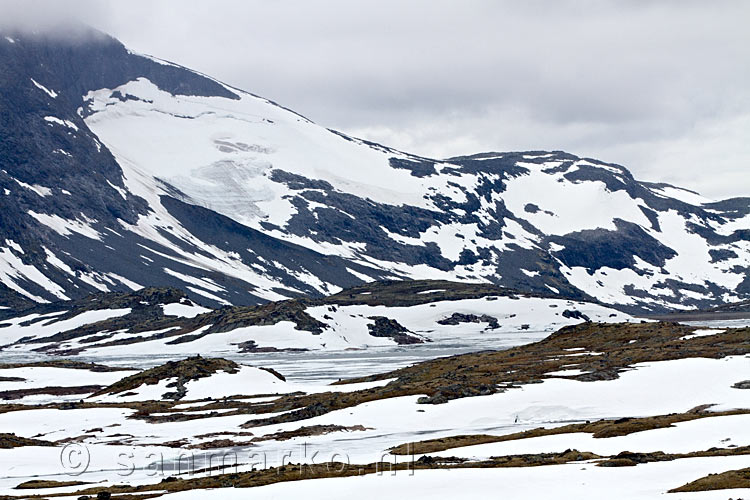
<point x="119" y="171"/>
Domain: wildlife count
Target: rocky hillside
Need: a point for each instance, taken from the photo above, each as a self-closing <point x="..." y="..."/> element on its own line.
<point x="120" y="171"/>
<point x="166" y="322"/>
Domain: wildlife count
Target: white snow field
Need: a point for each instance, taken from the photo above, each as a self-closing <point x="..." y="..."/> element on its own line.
<point x="184" y="310"/>
<point x="42" y="376"/>
<point x="151" y="133"/>
<point x="656" y="388"/>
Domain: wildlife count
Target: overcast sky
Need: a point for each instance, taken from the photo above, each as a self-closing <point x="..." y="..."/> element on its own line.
<point x="660" y="87"/>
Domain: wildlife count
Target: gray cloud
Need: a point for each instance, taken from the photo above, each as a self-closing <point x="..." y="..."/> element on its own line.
<point x="661" y="88"/>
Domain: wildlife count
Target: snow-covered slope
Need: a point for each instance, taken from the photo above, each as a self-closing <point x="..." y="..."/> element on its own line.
<point x="152" y="174"/>
<point x="167" y="323"/>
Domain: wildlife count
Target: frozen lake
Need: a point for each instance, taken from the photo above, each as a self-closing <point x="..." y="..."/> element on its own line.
<point x="324" y="366"/>
<point x="320" y="367"/>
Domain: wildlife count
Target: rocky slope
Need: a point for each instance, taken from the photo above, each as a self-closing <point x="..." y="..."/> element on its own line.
<point x="119" y="171"/>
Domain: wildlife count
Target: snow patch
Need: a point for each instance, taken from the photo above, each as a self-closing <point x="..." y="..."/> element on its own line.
<point x="59" y="121"/>
<point x="47" y="91"/>
<point x="65" y="227"/>
<point x="40" y="190"/>
<point x="184" y="310"/>
<point x="701" y="333"/>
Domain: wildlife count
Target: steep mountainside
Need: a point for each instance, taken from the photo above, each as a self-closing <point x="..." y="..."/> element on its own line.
<point x="119" y="171"/>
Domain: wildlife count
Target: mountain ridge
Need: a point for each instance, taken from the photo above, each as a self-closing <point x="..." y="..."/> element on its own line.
<point x="122" y="171"/>
<point x="373" y="315"/>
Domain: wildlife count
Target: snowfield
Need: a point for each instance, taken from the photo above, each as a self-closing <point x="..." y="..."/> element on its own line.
<point x="368" y="430"/>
